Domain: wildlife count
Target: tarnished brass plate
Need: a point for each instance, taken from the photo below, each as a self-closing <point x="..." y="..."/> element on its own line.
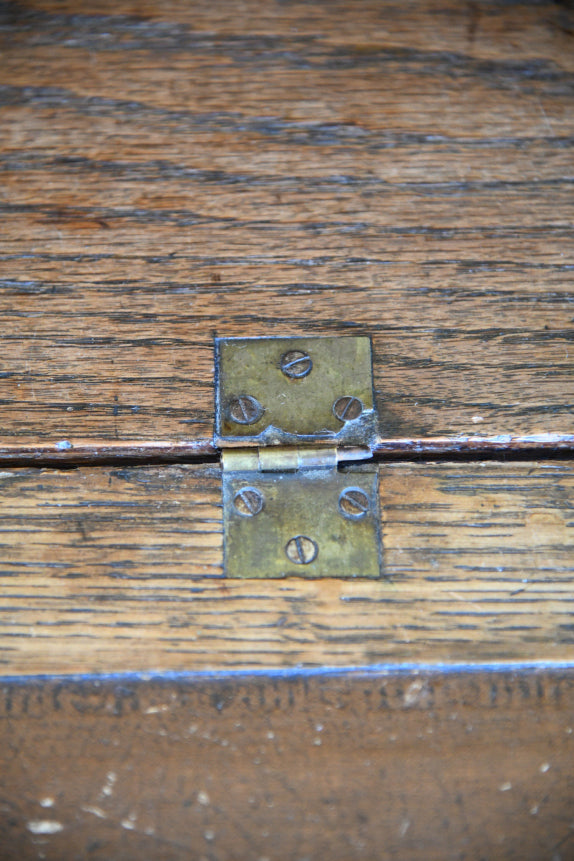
<point x="312" y="523"/>
<point x="293" y="390"/>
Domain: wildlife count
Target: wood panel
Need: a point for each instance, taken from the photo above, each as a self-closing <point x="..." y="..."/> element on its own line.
<point x="435" y="766"/>
<point x="115" y="570"/>
<point x="173" y="171"/>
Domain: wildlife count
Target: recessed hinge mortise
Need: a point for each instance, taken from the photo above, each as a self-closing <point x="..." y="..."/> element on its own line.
<point x="289" y="410"/>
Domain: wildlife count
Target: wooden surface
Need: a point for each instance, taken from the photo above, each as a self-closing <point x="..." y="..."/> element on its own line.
<point x="115" y="570"/>
<point x="172" y="171"/>
<point x="434" y="767"/>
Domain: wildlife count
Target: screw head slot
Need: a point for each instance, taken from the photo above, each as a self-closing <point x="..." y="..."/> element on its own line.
<point x="245" y="410"/>
<point x="249" y="501"/>
<point x="301" y="550"/>
<point x="353" y="503"/>
<point x="296" y="364"/>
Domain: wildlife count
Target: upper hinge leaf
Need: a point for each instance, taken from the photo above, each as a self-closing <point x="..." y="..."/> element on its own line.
<point x="294" y="391"/>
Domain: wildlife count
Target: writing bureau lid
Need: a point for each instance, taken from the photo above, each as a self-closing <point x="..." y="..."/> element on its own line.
<point x="291" y="194"/>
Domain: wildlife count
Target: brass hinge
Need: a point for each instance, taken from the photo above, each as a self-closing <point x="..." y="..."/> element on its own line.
<point x="288" y="411"/>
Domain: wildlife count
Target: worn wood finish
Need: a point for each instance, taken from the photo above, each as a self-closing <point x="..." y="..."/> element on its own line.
<point x="432" y="767"/>
<point x="113" y="570"/>
<point x="171" y="171"/>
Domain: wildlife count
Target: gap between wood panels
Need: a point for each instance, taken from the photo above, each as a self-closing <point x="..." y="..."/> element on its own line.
<point x="209" y="454"/>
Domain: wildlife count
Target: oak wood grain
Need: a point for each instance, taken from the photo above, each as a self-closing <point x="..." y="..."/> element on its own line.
<point x="170" y="172"/>
<point x="431" y="766"/>
<point x="174" y="171"/>
<point x="116" y="570"/>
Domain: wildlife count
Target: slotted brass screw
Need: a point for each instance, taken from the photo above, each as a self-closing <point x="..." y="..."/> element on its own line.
<point x="301" y="550"/>
<point x="347" y="408"/>
<point x="249" y="501"/>
<point x="296" y="364"/>
<point x="353" y="503"/>
<point x="245" y="410"/>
